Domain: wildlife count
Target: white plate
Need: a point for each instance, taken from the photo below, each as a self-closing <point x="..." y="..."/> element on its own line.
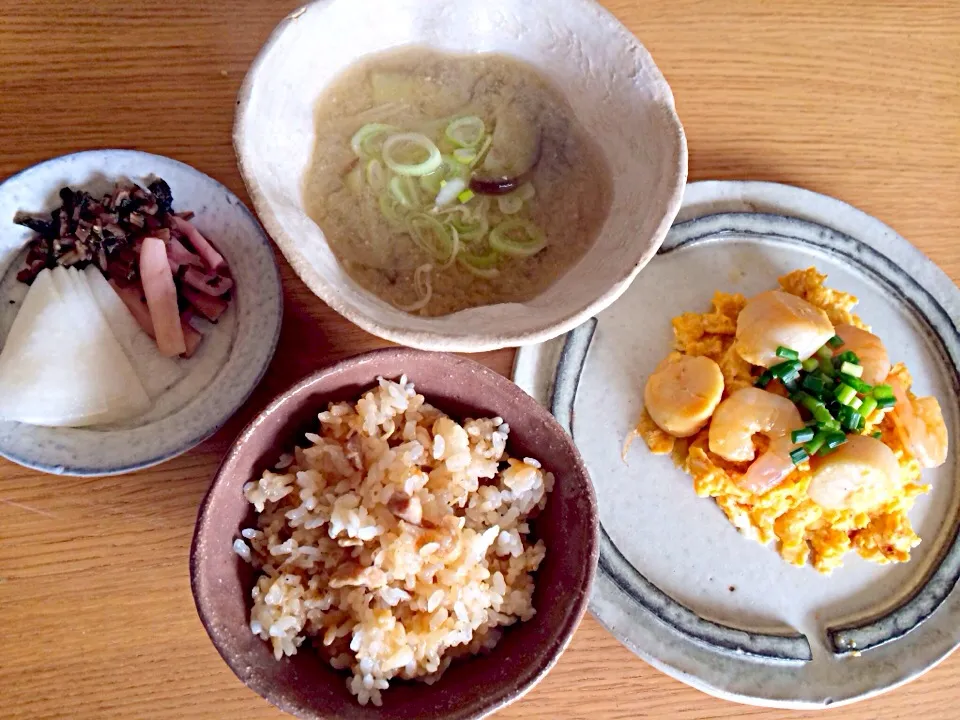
<point x="234" y="354"/>
<point x="677" y="584"/>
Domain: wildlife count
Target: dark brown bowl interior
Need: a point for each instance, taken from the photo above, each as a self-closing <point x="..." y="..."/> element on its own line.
<point x="305" y="685"/>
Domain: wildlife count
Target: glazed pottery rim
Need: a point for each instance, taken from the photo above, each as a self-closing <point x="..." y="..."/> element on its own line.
<point x="437" y="340"/>
<point x="561" y="638"/>
<point x="224" y="418"/>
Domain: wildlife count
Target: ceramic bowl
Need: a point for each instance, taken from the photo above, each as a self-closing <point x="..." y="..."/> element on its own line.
<point x="235" y="352"/>
<point x="615" y="88"/>
<point x="305" y="685"/>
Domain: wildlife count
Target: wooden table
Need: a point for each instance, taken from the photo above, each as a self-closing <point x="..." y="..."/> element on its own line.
<point x="858" y="100"/>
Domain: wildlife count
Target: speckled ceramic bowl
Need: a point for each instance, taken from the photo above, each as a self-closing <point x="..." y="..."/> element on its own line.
<point x="305" y="685"/>
<point x="611" y="81"/>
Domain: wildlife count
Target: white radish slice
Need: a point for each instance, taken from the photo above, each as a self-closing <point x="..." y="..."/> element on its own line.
<point x="156" y="372"/>
<point x="125" y="396"/>
<point x="161" y="294"/>
<point x="57" y="369"/>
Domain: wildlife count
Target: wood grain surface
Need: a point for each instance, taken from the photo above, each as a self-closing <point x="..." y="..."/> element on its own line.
<point x="860" y="100"/>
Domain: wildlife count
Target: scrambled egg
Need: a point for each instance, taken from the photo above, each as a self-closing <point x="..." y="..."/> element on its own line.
<point x="804" y="531"/>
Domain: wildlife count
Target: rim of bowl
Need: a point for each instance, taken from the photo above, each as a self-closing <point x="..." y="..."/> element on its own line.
<point x="529" y="406"/>
<point x="435" y="339"/>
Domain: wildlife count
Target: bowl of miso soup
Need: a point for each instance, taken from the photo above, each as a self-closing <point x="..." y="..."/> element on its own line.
<point x="461" y="175"/>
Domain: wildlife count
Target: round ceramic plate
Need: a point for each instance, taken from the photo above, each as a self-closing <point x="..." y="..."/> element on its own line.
<point x="677" y="583"/>
<point x="217" y="379"/>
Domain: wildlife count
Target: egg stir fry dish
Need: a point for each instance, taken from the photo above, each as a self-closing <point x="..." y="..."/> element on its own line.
<point x="786" y="410"/>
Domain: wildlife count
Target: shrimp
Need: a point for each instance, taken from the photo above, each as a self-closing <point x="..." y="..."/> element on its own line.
<point x="919" y="423"/>
<point x="859" y="475"/>
<point x="682" y="393"/>
<point x="745" y="413"/>
<point x="773" y="319"/>
<point x="868" y="347"/>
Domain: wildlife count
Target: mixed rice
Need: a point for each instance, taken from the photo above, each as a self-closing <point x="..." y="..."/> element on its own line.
<point x="396" y="540"/>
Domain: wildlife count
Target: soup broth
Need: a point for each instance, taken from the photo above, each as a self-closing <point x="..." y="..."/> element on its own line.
<point x="519" y="195"/>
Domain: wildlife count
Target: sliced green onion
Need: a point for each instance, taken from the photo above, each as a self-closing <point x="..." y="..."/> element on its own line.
<point x="509" y="204"/>
<point x="831" y="425"/>
<point x="785" y="352"/>
<point x="883" y="391"/>
<point x="376" y="175"/>
<point x="849" y="418"/>
<point x="764" y="379"/>
<point x="810" y="364"/>
<point x="868" y="406"/>
<point x="849" y="368"/>
<point x="450" y="190"/>
<point x="526" y="192"/>
<point x="799" y="455"/>
<point x="814" y="384"/>
<point x="482" y="152"/>
<point x="517" y="237"/>
<point x="466" y="132"/>
<point x="802" y="435"/>
<point x="466" y="196"/>
<point x="464" y="156"/>
<point x="432" y="237"/>
<point x="392" y="211"/>
<point x="844" y="394"/>
<point x="825" y="353"/>
<point x="826" y="367"/>
<point x="835" y="342"/>
<point x="847" y="356"/>
<point x="471" y="231"/>
<point x="484" y="266"/>
<point x="835" y="440"/>
<point x="885" y="403"/>
<point x="876" y="434"/>
<point x="405" y="191"/>
<point x="856" y="403"/>
<point x="816" y="443"/>
<point x="785" y="369"/>
<point x="856" y="383"/>
<point x="368" y="141"/>
<point x="434" y="181"/>
<point x="398" y="148"/>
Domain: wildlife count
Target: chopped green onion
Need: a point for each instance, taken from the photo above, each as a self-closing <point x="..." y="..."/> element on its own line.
<point x="398" y="149"/>
<point x="885" y="403"/>
<point x="434" y="181"/>
<point x="466" y="196"/>
<point x="464" y="156"/>
<point x="816" y="443"/>
<point x="785" y="352"/>
<point x="484" y="266"/>
<point x="883" y="391"/>
<point x="368" y="140"/>
<point x="482" y="153"/>
<point x="466" y="132"/>
<point x="814" y="384"/>
<point x="856" y="403"/>
<point x="856" y="383"/>
<point x="848" y="356"/>
<point x="810" y="364"/>
<point x="849" y="368"/>
<point x="433" y="238"/>
<point x="831" y="425"/>
<point x="376" y="176"/>
<point x="792" y="382"/>
<point x="826" y="367"/>
<point x="825" y="353"/>
<point x="392" y="211"/>
<point x="517" y="237"/>
<point x="835" y="342"/>
<point x="802" y="435"/>
<point x="405" y="191"/>
<point x="764" y="379"/>
<point x="876" y="434"/>
<point x="510" y="204"/>
<point x="849" y="418"/>
<point x="868" y="406"/>
<point x="835" y="440"/>
<point x="798" y="455"/>
<point x="785" y="370"/>
<point x="844" y="394"/>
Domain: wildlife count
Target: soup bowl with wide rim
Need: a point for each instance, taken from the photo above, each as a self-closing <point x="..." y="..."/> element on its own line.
<point x="616" y="91"/>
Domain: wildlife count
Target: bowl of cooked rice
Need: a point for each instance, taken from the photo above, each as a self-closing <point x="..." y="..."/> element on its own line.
<point x="400" y="535"/>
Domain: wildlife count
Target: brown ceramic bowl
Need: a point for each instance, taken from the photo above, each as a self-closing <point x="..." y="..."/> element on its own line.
<point x="306" y="686"/>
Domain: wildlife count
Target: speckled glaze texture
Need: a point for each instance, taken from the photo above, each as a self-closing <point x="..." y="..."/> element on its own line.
<point x="680" y="587"/>
<point x="304" y="685"/>
<point x="235" y="352"/>
<point x="612" y="82"/>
